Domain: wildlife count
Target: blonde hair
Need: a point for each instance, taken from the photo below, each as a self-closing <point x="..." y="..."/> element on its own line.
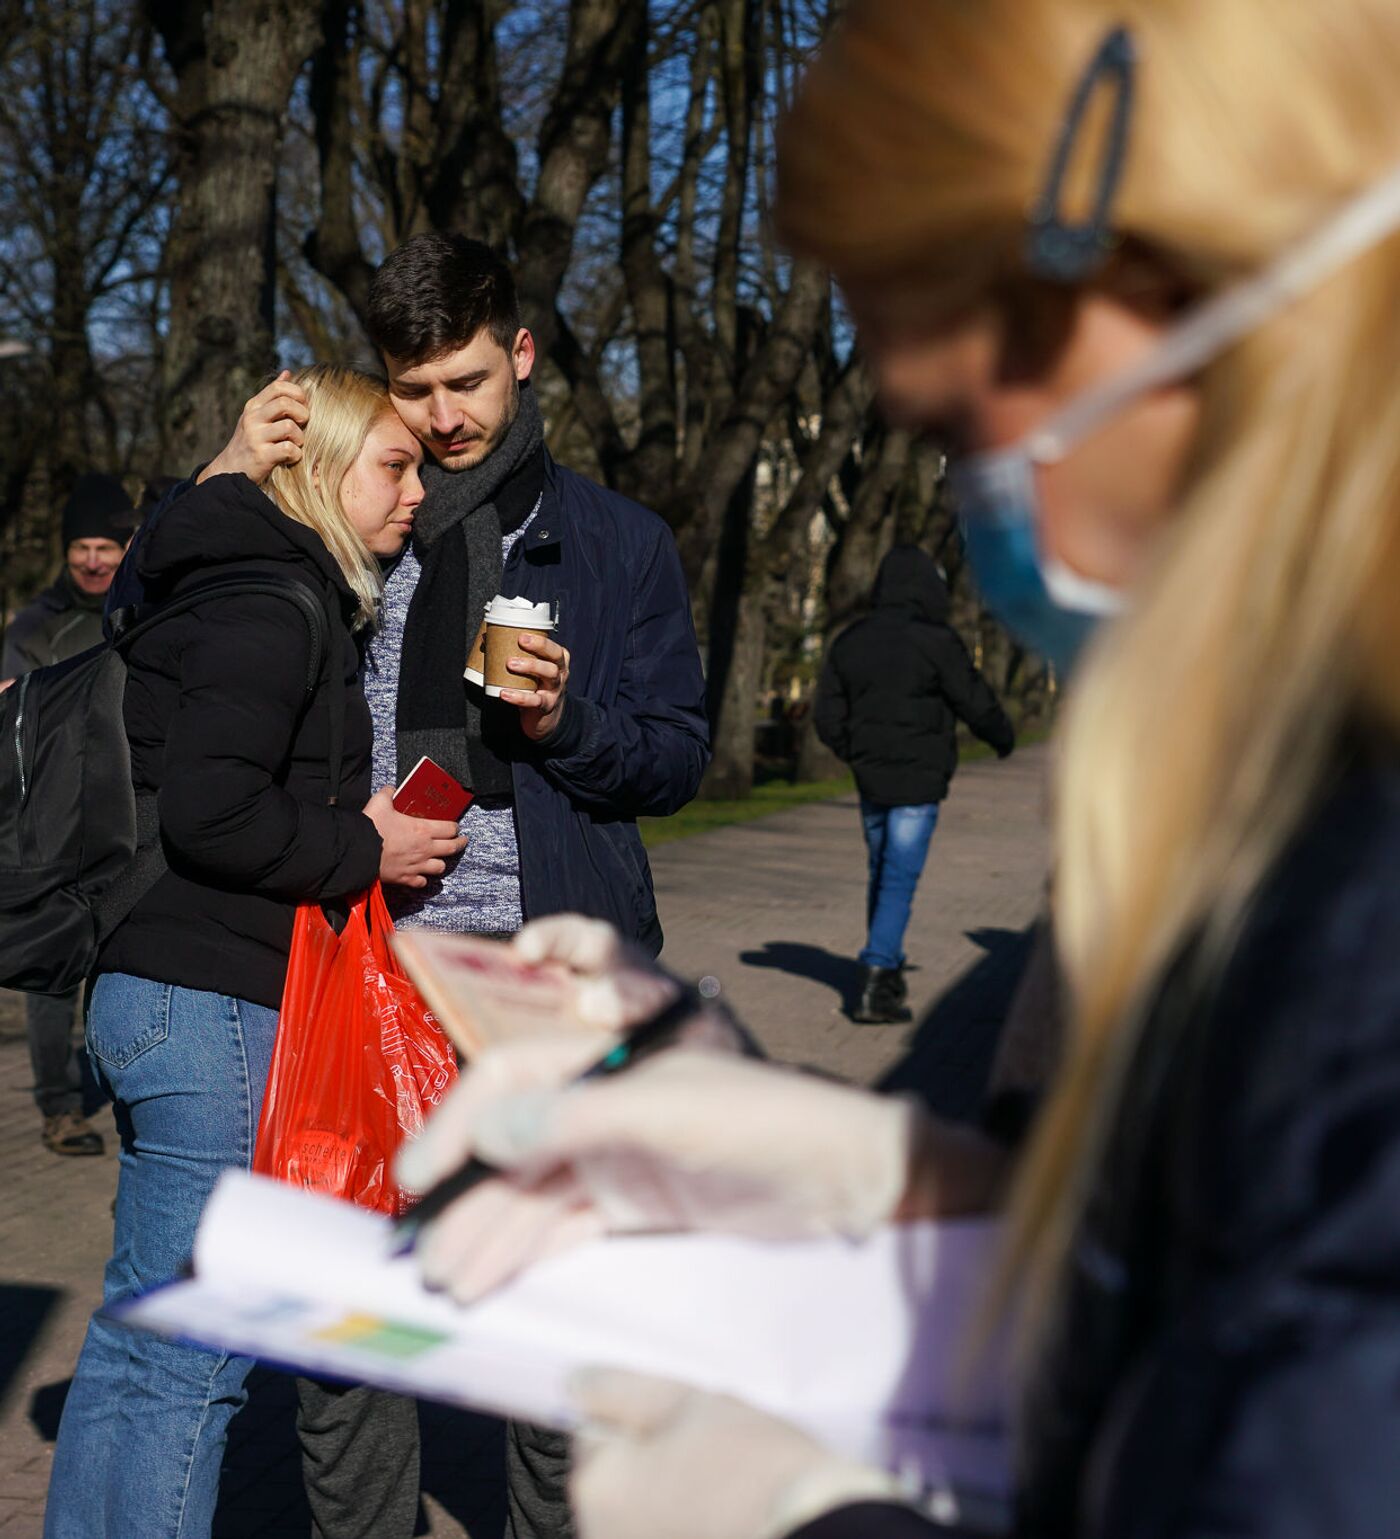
<point x="345" y="405"/>
<point x="1203" y="726"/>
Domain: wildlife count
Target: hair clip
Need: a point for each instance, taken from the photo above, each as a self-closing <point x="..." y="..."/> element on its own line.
<point x="1055" y="248"/>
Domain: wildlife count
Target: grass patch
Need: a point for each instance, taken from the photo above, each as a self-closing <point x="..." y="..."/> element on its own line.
<point x="777" y="796"/>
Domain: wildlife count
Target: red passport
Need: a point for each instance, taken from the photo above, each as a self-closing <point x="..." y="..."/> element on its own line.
<point x="428" y="791"/>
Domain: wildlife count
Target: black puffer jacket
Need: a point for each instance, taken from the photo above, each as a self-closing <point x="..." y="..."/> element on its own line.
<point x="221" y="726"/>
<point x="896" y="684"/>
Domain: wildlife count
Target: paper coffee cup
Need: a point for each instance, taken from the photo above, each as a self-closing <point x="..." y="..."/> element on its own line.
<point x="476" y="657"/>
<point x="507" y="619"/>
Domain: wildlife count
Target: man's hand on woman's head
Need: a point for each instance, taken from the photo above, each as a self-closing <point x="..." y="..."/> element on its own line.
<point x="269" y="433"/>
<point x="414" y="849"/>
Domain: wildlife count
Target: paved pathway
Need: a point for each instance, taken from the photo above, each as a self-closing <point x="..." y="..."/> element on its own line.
<point x="773" y="908"/>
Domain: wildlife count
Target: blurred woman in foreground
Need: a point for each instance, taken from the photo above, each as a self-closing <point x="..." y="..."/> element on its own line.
<point x="1203" y="1229"/>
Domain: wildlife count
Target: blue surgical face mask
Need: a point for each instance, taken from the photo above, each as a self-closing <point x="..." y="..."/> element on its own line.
<point x="1047" y="606"/>
<point x="1044" y="605"/>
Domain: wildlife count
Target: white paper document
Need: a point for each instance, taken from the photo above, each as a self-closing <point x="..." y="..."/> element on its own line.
<point x="862" y="1344"/>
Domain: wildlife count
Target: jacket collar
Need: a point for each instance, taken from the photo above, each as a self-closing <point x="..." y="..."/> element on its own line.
<point x="550" y="524"/>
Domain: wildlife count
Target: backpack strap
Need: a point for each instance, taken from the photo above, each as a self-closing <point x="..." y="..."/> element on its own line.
<point x="133" y="621"/>
<point x="143" y="871"/>
<point x="129" y="623"/>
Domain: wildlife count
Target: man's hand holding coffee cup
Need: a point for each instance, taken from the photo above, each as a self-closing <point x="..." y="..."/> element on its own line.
<point x="269" y="433"/>
<point x="546" y="664"/>
<point x="515" y="660"/>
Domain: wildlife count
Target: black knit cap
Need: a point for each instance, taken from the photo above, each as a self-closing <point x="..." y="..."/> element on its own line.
<point x="99" y="509"/>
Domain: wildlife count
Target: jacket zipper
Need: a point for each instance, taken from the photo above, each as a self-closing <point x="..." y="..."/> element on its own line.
<point x="23" y="688"/>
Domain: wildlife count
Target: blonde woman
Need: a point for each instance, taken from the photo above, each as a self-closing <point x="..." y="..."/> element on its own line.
<point x="229" y="731"/>
<point x="1139" y="261"/>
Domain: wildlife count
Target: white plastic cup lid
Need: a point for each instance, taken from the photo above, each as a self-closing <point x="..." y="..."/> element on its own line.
<point x="521" y="612"/>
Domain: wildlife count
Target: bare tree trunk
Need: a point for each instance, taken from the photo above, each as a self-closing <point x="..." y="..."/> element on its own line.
<point x="235" y="65"/>
<point x="333" y="245"/>
<point x="731" y="678"/>
<point x="768" y="378"/>
<point x="650" y="470"/>
<point x="732" y="730"/>
<point x="573" y="153"/>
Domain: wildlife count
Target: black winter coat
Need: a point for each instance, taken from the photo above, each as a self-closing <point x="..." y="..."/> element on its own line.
<point x="1228" y="1360"/>
<point x="58" y="625"/>
<point x="221" y="727"/>
<point x="897" y="683"/>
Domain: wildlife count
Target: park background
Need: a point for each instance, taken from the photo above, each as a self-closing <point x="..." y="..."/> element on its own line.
<point x="197" y="193"/>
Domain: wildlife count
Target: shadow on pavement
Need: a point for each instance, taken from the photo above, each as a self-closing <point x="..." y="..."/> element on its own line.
<point x="46" y="1406"/>
<point x="24" y="1307"/>
<point x="840" y="973"/>
<point x="950" y="1054"/>
<point x="260" y="1490"/>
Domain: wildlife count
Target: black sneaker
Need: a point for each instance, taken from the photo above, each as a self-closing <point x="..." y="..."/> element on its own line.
<point x="68" y="1133"/>
<point x="882" y="999"/>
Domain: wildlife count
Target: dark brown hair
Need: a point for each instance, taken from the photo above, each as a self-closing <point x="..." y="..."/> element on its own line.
<point x="435" y="293"/>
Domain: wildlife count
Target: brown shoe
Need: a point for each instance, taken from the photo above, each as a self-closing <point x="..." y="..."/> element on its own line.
<point x="68" y="1133"/>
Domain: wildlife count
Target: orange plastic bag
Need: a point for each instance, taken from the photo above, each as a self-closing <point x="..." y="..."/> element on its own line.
<point x="359" y="1061"/>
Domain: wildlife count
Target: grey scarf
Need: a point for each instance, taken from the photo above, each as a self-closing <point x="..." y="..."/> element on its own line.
<point x="437" y="713"/>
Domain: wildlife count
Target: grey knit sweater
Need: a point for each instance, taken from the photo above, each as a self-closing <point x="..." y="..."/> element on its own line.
<point x="480" y="891"/>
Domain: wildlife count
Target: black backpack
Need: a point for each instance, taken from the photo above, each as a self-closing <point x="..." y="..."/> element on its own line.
<point x="78" y="845"/>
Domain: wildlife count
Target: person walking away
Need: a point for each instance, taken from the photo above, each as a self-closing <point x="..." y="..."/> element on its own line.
<point x="895" y="686"/>
<point x="238" y="749"/>
<point x="64" y="620"/>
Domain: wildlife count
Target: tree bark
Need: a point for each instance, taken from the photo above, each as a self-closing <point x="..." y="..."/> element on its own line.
<point x="333" y="246"/>
<point x="767" y="380"/>
<point x="573" y="152"/>
<point x="235" y="65"/>
<point x="736" y="627"/>
<point x="649" y="471"/>
<point x="730" y="774"/>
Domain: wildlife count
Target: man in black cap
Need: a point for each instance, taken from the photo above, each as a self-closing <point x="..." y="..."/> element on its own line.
<point x="64" y="620"/>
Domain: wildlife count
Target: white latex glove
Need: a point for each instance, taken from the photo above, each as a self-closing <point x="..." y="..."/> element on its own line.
<point x="618" y="984"/>
<point x="686" y="1140"/>
<point x="656" y="1460"/>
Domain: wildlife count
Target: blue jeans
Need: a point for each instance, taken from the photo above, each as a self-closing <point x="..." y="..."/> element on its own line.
<point x="143" y="1430"/>
<point x="897" y="840"/>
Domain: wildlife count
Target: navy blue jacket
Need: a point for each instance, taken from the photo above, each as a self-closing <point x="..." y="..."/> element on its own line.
<point x="1227" y="1361"/>
<point x="633" y="740"/>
